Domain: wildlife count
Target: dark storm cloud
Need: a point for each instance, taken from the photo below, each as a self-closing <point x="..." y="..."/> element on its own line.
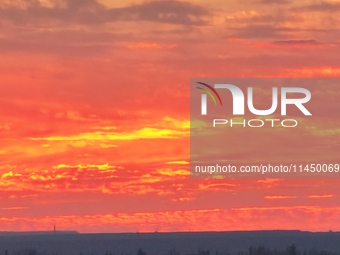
<point x="296" y="42"/>
<point x="37" y="28"/>
<point x="265" y="19"/>
<point x="322" y="6"/>
<point x="163" y="11"/>
<point x="261" y="31"/>
<point x="92" y="12"/>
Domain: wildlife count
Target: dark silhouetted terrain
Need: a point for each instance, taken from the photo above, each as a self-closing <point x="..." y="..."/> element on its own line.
<point x="72" y="243"/>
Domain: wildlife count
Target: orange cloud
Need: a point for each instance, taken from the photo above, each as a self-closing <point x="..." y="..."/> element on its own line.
<point x="185" y="220"/>
<point x="151" y="46"/>
<point x="13" y="208"/>
<point x="320" y="196"/>
<point x="279" y="197"/>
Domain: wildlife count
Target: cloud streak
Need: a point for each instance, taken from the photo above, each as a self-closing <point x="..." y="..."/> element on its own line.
<point x="90" y="12"/>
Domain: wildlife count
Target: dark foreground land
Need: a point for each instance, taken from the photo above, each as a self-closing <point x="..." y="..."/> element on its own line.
<point x="213" y="243"/>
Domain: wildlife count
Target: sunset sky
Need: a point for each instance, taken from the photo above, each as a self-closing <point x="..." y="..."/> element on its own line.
<point x="94" y="106"/>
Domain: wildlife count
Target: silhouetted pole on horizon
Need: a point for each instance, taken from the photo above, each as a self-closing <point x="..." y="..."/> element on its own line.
<point x="54" y="228"/>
